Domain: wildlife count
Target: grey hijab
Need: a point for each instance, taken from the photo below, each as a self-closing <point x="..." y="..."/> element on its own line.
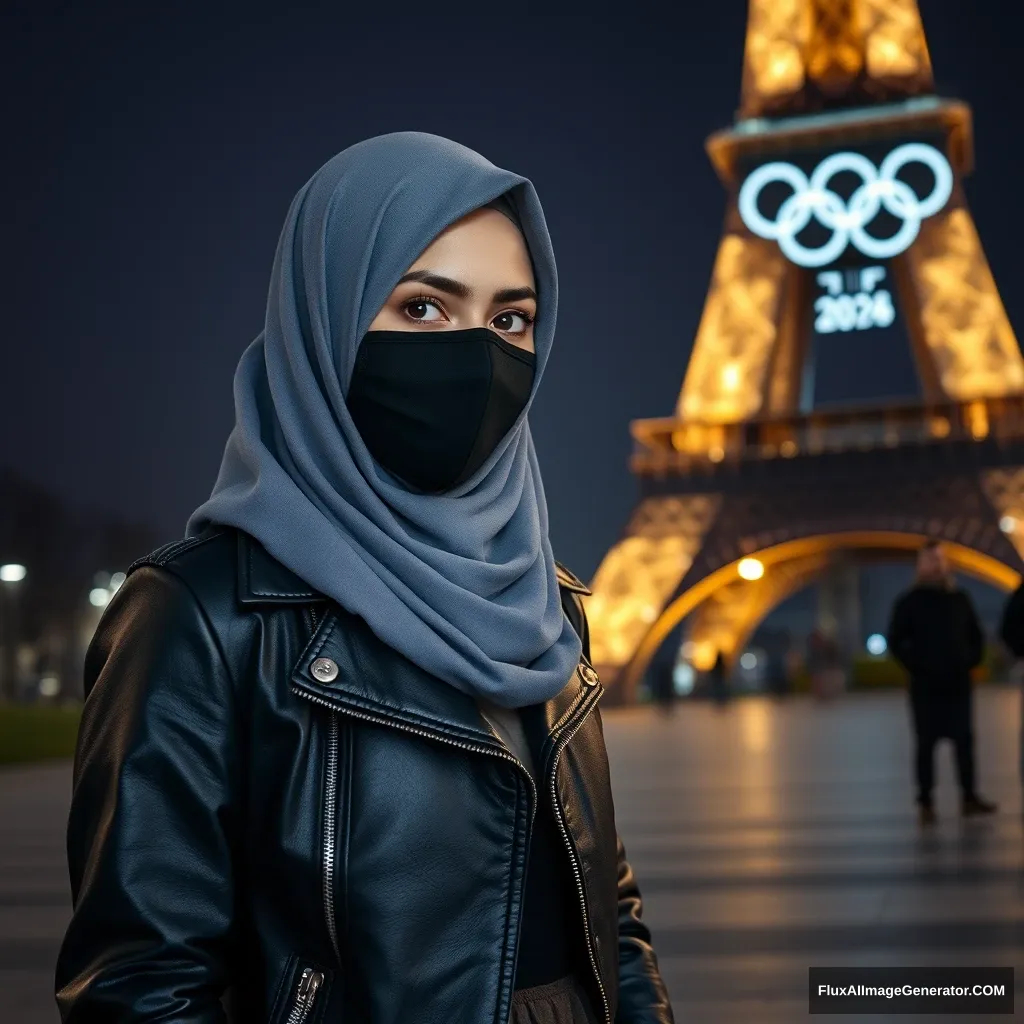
<point x="463" y="583"/>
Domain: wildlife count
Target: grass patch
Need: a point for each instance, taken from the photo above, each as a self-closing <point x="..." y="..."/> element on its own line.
<point x="37" y="732"/>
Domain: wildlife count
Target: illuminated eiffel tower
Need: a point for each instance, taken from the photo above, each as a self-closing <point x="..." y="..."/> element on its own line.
<point x="845" y="213"/>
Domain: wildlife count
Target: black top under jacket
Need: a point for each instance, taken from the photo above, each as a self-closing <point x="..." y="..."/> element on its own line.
<point x="550" y="930"/>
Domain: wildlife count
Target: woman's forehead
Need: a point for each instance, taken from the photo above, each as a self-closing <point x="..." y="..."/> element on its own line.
<point x="481" y="244"/>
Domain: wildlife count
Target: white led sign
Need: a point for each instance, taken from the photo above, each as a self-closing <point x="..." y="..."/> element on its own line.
<point x="847" y="219"/>
<point x="861" y="305"/>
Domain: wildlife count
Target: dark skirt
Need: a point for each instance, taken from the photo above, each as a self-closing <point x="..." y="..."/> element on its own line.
<point x="562" y="1002"/>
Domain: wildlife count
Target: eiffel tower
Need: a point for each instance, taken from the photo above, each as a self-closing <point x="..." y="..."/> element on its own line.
<point x="845" y="214"/>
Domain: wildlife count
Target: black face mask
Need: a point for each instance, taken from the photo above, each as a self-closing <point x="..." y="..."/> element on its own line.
<point x="432" y="408"/>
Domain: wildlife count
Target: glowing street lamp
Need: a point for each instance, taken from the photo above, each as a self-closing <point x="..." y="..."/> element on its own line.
<point x="751" y="568"/>
<point x="105" y="586"/>
<point x="11" y="575"/>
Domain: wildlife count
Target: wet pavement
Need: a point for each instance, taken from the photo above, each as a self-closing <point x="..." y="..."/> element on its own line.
<point x="767" y="838"/>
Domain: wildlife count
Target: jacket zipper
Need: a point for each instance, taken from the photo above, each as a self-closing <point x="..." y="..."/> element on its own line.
<point x="576" y="870"/>
<point x="330" y="820"/>
<point x="332" y="774"/>
<point x="305" y="995"/>
<point x="330" y="826"/>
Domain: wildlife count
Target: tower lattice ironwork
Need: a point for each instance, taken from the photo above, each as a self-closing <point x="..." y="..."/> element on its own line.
<point x="845" y="213"/>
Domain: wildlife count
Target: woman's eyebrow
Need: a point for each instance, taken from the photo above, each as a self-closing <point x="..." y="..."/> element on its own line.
<point x="442" y="284"/>
<point x="462" y="291"/>
<point x="515" y="294"/>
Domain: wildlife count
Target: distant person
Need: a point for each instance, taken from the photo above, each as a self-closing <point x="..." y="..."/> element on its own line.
<point x="778" y="679"/>
<point x="935" y="635"/>
<point x="834" y="673"/>
<point x="795" y="663"/>
<point x="718" y="680"/>
<point x="662" y="686"/>
<point x="823" y="664"/>
<point x="1011" y="629"/>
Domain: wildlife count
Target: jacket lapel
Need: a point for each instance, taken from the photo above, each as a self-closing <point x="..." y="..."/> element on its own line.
<point x="374" y="681"/>
<point x="546" y="724"/>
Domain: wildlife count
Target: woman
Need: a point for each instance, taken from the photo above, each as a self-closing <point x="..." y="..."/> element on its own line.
<point x="341" y="758"/>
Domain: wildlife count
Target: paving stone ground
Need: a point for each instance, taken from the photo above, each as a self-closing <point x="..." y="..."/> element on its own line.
<point x="768" y="837"/>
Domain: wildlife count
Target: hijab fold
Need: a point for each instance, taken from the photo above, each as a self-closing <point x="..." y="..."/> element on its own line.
<point x="463" y="584"/>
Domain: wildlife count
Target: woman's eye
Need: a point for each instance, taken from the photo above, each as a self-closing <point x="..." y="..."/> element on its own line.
<point x="421" y="309"/>
<point x="512" y="323"/>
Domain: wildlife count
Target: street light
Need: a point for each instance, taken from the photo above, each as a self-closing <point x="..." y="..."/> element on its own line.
<point x="105" y="586"/>
<point x="751" y="568"/>
<point x="11" y="574"/>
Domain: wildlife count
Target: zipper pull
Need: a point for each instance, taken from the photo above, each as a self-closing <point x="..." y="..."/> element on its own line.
<point x="309" y="984"/>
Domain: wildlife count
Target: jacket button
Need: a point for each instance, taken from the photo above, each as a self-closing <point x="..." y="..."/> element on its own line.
<point x="588" y="675"/>
<point x="325" y="670"/>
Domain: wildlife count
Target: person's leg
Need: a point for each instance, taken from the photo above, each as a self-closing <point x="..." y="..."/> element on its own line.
<point x="924" y="752"/>
<point x="962" y="727"/>
<point x="925" y="763"/>
<point x="961" y="731"/>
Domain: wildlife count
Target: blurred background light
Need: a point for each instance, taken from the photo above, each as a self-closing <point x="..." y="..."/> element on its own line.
<point x="683" y="678"/>
<point x="876" y="644"/>
<point x="751" y="568"/>
<point x="49" y="686"/>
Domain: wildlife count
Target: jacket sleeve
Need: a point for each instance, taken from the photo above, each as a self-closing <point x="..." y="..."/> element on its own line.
<point x="643" y="998"/>
<point x="899" y="636"/>
<point x="975" y="634"/>
<point x="1011" y="629"/>
<point x="152" y="813"/>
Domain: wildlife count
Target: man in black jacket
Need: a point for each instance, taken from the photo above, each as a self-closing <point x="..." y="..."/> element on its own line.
<point x="935" y="635"/>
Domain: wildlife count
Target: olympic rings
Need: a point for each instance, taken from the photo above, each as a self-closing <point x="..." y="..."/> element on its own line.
<point x="812" y="198"/>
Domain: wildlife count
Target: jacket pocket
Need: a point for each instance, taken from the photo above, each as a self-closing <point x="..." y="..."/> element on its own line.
<point x="304" y="993"/>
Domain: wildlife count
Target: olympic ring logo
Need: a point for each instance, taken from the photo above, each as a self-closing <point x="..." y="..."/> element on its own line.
<point x="848" y="220"/>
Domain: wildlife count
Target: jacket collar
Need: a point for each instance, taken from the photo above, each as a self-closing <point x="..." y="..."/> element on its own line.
<point x="376" y="682"/>
<point x="571" y="582"/>
<point x="262" y="579"/>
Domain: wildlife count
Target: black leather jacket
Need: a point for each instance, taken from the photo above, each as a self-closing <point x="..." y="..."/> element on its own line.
<point x="249" y="842"/>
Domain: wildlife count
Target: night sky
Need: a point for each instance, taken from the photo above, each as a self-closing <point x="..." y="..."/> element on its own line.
<point x="151" y="153"/>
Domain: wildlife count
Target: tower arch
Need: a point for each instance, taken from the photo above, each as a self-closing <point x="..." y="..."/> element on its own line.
<point x="788" y="567"/>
